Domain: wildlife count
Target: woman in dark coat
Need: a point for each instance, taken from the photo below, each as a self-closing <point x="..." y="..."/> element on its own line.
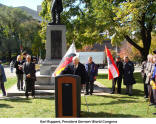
<point x="19" y="72"/>
<point x="128" y="75"/>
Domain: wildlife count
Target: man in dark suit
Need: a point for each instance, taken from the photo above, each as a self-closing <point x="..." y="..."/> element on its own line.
<point x="76" y="68"/>
<point x="30" y="77"/>
<point x="118" y="80"/>
<point x="92" y="71"/>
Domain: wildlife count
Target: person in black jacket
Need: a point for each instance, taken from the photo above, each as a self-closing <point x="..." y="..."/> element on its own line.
<point x="76" y="68"/>
<point x="129" y="80"/>
<point x="19" y="72"/>
<point x="118" y="80"/>
<point x="30" y="77"/>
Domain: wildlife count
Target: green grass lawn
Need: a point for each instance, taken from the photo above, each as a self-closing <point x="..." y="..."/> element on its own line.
<point x="112" y="106"/>
<point x="122" y="105"/>
<point x="10" y="82"/>
<point x="31" y="108"/>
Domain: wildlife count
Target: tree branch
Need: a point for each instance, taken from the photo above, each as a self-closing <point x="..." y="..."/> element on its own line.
<point x="133" y="43"/>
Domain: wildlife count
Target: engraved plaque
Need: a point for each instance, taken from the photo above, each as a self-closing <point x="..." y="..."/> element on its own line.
<point x="56" y="44"/>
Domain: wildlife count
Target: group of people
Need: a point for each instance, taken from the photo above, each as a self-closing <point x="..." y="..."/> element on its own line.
<point x="126" y="70"/>
<point x="25" y="67"/>
<point x="25" y="71"/>
<point x="148" y="72"/>
<point x="87" y="72"/>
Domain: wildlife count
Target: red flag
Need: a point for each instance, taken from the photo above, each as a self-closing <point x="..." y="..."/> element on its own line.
<point x="113" y="71"/>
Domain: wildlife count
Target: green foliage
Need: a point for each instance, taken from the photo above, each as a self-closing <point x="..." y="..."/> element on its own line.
<point x="78" y="19"/>
<point x="46" y="16"/>
<point x="123" y="18"/>
<point x="18" y="28"/>
<point x="92" y="21"/>
<point x="153" y="44"/>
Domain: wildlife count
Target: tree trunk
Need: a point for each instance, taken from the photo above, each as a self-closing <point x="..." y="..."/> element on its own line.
<point x="144" y="54"/>
<point x="145" y="33"/>
<point x="145" y="50"/>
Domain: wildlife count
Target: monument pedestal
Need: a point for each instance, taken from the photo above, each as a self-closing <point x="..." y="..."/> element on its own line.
<point x="55" y="50"/>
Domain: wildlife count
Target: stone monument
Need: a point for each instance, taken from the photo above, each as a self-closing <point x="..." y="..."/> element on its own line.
<point x="55" y="48"/>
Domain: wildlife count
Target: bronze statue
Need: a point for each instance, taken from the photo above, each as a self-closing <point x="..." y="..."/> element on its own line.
<point x="56" y="10"/>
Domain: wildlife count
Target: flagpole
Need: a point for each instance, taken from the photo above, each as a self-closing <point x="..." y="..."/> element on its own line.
<point x="85" y="98"/>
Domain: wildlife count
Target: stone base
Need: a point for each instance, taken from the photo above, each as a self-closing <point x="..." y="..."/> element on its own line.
<point x="43" y="79"/>
<point x="44" y="82"/>
<point x="48" y="67"/>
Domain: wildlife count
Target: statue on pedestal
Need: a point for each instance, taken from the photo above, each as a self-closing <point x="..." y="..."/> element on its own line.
<point x="56" y="9"/>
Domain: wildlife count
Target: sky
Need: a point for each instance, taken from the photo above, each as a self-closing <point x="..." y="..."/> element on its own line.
<point x="28" y="3"/>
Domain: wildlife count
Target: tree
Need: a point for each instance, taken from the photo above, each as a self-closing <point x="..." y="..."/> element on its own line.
<point x="73" y="16"/>
<point x="133" y="20"/>
<point x="18" y="28"/>
<point x="90" y="21"/>
<point x="10" y="19"/>
<point x="29" y="35"/>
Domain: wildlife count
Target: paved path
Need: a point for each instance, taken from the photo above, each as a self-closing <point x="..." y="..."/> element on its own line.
<point x="99" y="89"/>
<point x="8" y="72"/>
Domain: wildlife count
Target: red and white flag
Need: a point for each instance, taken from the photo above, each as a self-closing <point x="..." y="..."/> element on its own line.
<point x="113" y="71"/>
<point x="66" y="60"/>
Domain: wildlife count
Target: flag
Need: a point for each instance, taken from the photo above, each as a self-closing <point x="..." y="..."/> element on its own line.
<point x="66" y="60"/>
<point x="113" y="71"/>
